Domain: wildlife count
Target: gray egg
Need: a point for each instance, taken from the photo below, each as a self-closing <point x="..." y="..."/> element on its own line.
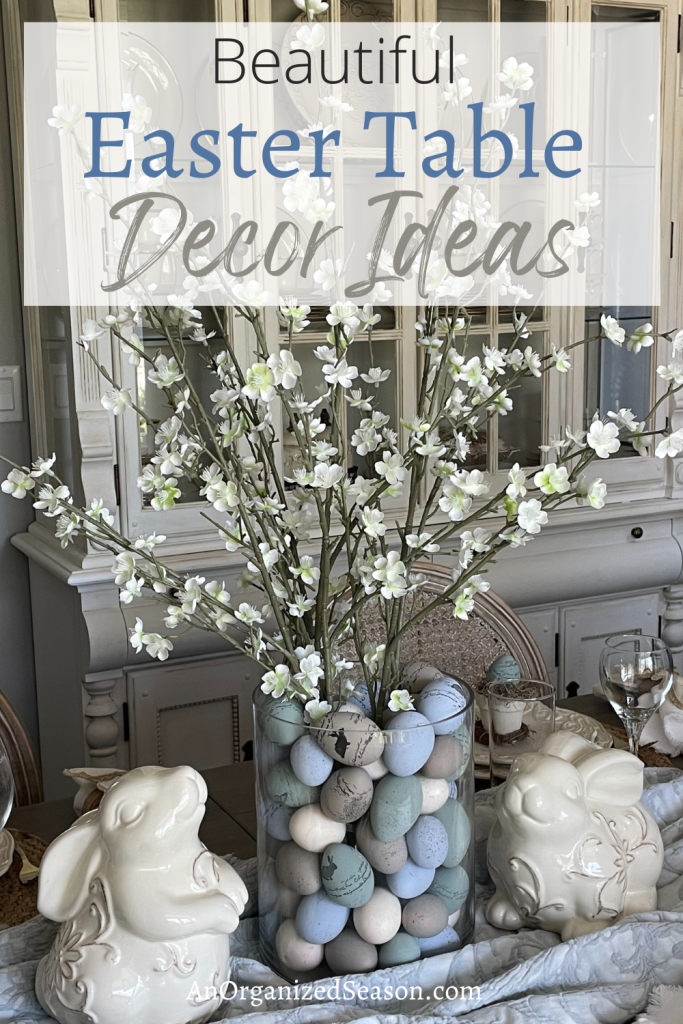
<point x="347" y="876"/>
<point x="310" y="763"/>
<point x="402" y="949"/>
<point x="386" y="858"/>
<point x="276" y="817"/>
<point x="347" y="794"/>
<point x="283" y="786"/>
<point x="445" y="759"/>
<point x="452" y="886"/>
<point x="427" y="842"/>
<point x="503" y="669"/>
<point x="350" y="738"/>
<point x="319" y="919"/>
<point x="349" y="954"/>
<point x="410" y="880"/>
<point x="409" y="740"/>
<point x="442" y="703"/>
<point x="395" y="806"/>
<point x="298" y="869"/>
<point x="454" y="819"/>
<point x="445" y="942"/>
<point x="424" y="916"/>
<point x="283" y="721"/>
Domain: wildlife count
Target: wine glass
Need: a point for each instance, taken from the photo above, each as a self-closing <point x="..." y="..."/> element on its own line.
<point x="636" y="672"/>
<point x="6" y="786"/>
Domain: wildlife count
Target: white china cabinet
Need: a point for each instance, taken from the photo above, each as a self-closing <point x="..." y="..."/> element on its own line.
<point x="588" y="575"/>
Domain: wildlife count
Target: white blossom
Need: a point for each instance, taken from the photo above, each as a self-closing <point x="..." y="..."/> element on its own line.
<point x="316" y="709"/>
<point x="260" y="381"/>
<point x="400" y="700"/>
<point x="671" y="445"/>
<point x="51" y="499"/>
<point x="116" y="401"/>
<point x="516" y="76"/>
<point x="166" y="372"/>
<point x="140" y="113"/>
<point x="612" y="330"/>
<point x="65" y="118"/>
<point x="373" y="522"/>
<point x="340" y="373"/>
<point x="18" y="483"/>
<point x="286" y="370"/>
<point x="603" y="438"/>
<point x="594" y="493"/>
<point x="553" y="479"/>
<point x="642" y="337"/>
<point x="531" y="516"/>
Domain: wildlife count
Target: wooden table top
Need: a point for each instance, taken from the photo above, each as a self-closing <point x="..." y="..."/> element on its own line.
<point x="229" y="825"/>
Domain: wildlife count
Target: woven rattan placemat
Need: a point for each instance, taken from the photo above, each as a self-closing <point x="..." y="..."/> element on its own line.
<point x="18" y="900"/>
<point x="650" y="757"/>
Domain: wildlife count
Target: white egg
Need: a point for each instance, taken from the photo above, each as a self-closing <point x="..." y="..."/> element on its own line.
<point x="379" y="919"/>
<point x="377" y="770"/>
<point x="453" y="919"/>
<point x="313" y="830"/>
<point x="434" y="794"/>
<point x="295" y="952"/>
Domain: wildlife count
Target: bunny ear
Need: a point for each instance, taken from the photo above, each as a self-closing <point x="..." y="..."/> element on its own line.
<point x="612" y="776"/>
<point x="68" y="867"/>
<point x="567" y="745"/>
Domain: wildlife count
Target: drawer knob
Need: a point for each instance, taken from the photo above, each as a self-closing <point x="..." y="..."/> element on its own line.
<point x="637" y="532"/>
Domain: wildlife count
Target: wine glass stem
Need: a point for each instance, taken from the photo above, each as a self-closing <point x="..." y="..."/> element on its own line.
<point x="634" y="728"/>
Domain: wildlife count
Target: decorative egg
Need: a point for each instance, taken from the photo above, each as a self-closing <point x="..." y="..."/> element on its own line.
<point x="454" y="918"/>
<point x="320" y="919"/>
<point x="445" y="759"/>
<point x="379" y="919"/>
<point x="349" y="954"/>
<point x="424" y="916"/>
<point x="442" y="704"/>
<point x="347" y="876"/>
<point x="309" y="762"/>
<point x="360" y="697"/>
<point x="286" y="902"/>
<point x="503" y="669"/>
<point x="427" y="842"/>
<point x="350" y="706"/>
<point x="298" y="869"/>
<point x="395" y="806"/>
<point x="452" y="886"/>
<point x="435" y="793"/>
<point x="283" y="786"/>
<point x="418" y="674"/>
<point x="384" y="857"/>
<point x="313" y="830"/>
<point x="350" y="738"/>
<point x="347" y="794"/>
<point x="409" y="741"/>
<point x="454" y="818"/>
<point x="453" y="790"/>
<point x="445" y="942"/>
<point x="376" y="770"/>
<point x="295" y="952"/>
<point x="410" y="880"/>
<point x="277" y="818"/>
<point x="464" y="737"/>
<point x="402" y="949"/>
<point x="283" y="721"/>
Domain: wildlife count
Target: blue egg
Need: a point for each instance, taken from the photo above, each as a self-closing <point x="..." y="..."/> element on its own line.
<point x="277" y="818"/>
<point x="409" y="741"/>
<point x="410" y="880"/>
<point x="309" y="761"/>
<point x="428" y="842"/>
<point x="360" y="697"/>
<point x="503" y="669"/>
<point x="442" y="705"/>
<point x="445" y="942"/>
<point x="319" y="920"/>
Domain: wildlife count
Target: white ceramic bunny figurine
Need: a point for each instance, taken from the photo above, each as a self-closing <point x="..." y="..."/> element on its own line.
<point x="572" y="849"/>
<point x="147" y="910"/>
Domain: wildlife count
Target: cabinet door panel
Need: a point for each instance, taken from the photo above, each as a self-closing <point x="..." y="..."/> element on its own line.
<point x="197" y="712"/>
<point x="542" y="625"/>
<point x="585" y="627"/>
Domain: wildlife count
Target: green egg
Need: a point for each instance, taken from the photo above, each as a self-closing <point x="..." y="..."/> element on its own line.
<point x="347" y="876"/>
<point x="454" y="819"/>
<point x="402" y="949"/>
<point x="284" y="721"/>
<point x="395" y="807"/>
<point x="283" y="786"/>
<point x="452" y="886"/>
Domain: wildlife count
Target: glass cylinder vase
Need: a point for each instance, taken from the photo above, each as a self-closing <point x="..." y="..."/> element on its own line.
<point x="365" y="833"/>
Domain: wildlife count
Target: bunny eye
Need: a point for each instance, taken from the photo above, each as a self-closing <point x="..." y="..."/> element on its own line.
<point x="130" y="813"/>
